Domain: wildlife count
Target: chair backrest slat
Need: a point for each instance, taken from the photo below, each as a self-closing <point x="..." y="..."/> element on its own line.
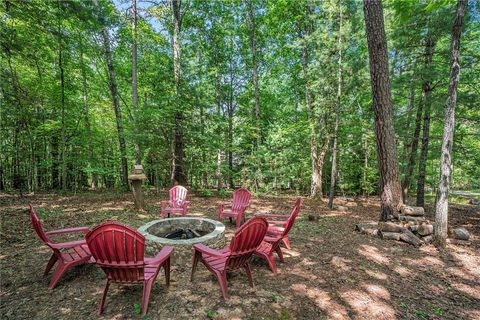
<point x="37" y="225"/>
<point x="178" y="195"/>
<point x="293" y="216"/>
<point x="241" y="199"/>
<point x="246" y="239"/>
<point x="119" y="250"/>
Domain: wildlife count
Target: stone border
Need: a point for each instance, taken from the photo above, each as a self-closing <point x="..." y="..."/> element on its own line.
<point x="218" y="232"/>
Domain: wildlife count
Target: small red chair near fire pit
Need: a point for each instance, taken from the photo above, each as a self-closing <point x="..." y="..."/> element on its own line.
<point x="240" y="203"/>
<point x="119" y="251"/>
<point x="68" y="254"/>
<point x="277" y="232"/>
<point x="244" y="242"/>
<point x="177" y="204"/>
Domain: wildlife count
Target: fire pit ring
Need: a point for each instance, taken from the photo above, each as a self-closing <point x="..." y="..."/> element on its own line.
<point x="211" y="232"/>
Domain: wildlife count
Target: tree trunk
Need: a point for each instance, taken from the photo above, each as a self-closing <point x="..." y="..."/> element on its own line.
<point x="63" y="139"/>
<point x="441" y="210"/>
<point x="333" y="176"/>
<point x="86" y="109"/>
<point x="255" y="80"/>
<point x="179" y="175"/>
<point x="114" y="92"/>
<point x="138" y="153"/>
<point x="391" y="195"/>
<point x="425" y="101"/>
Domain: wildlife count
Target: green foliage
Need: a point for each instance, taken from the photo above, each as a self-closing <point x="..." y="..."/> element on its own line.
<point x="210" y="314"/>
<point x="217" y="100"/>
<point x="137" y="308"/>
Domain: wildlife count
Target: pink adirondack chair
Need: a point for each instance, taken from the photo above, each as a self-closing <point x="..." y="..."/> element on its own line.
<point x="275" y="235"/>
<point x="177" y="204"/>
<point x="238" y="255"/>
<point x="119" y="251"/>
<point x="240" y="202"/>
<point x="68" y="254"/>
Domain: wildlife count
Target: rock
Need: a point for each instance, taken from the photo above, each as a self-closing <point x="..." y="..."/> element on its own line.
<point x="409" y="218"/>
<point x="460" y="234"/>
<point x="475" y="202"/>
<point x="427" y="239"/>
<point x="425" y="229"/>
<point x="364" y="226"/>
<point x="389" y="227"/>
<point x="312" y="217"/>
<point x="412" y="211"/>
<point x="342" y="208"/>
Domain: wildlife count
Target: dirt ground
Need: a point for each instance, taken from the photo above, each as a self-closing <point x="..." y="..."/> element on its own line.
<point x="332" y="272"/>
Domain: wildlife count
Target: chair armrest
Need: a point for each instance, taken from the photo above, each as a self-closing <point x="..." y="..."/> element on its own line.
<point x="273" y="222"/>
<point x="270" y="239"/>
<point x="212" y="252"/>
<point x="64" y="245"/>
<point x="69" y="230"/>
<point x="269" y="215"/>
<point x="163" y="255"/>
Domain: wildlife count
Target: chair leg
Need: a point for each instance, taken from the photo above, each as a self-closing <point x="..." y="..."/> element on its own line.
<point x="239" y="222"/>
<point x="196" y="256"/>
<point x="278" y="250"/>
<point x="147" y="289"/>
<point x="272" y="263"/>
<point x="104" y="296"/>
<point x="248" y="269"/>
<point x="166" y="267"/>
<point x="50" y="264"/>
<point x="287" y="243"/>
<point x="57" y="274"/>
<point x="222" y="280"/>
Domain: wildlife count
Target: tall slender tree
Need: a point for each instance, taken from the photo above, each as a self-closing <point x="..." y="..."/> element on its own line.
<point x="179" y="174"/>
<point x="112" y="83"/>
<point x="391" y="196"/>
<point x="441" y="210"/>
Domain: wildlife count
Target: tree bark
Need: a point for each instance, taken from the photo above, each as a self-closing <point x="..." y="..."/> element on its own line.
<point x="333" y="176"/>
<point x="391" y="195"/>
<point x="179" y="175"/>
<point x="255" y="80"/>
<point x="425" y="101"/>
<point x="91" y="154"/>
<point x="138" y="153"/>
<point x="441" y="210"/>
<point x="112" y="82"/>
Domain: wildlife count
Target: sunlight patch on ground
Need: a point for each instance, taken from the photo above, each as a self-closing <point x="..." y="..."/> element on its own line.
<point x="373" y="254"/>
<point x="377" y="291"/>
<point x="341" y="263"/>
<point x="404" y="272"/>
<point x="376" y="274"/>
<point x="468" y="290"/>
<point x="323" y="300"/>
<point x="468" y="261"/>
<point x="367" y="306"/>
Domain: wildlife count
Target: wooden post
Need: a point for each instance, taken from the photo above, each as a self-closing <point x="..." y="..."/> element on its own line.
<point x="137" y="180"/>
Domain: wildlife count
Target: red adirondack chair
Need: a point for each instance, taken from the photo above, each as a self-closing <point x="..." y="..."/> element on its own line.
<point x="119" y="251"/>
<point x="240" y="202"/>
<point x="68" y="254"/>
<point x="238" y="255"/>
<point x="177" y="204"/>
<point x="275" y="235"/>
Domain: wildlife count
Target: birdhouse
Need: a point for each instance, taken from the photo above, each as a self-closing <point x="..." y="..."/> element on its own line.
<point x="138" y="169"/>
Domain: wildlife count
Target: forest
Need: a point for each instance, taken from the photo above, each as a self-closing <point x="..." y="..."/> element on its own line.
<point x="366" y="110"/>
<point x="268" y="95"/>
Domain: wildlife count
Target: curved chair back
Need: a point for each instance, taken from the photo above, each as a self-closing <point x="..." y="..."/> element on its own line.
<point x="178" y="195"/>
<point x="37" y="225"/>
<point x="119" y="250"/>
<point x="241" y="199"/>
<point x="244" y="242"/>
<point x="293" y="216"/>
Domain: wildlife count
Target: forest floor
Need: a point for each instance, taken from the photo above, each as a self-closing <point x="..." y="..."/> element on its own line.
<point x="332" y="272"/>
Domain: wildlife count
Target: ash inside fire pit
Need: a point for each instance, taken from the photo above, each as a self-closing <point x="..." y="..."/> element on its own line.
<point x="186" y="233"/>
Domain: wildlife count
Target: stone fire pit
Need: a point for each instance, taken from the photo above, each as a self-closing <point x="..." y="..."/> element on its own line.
<point x="206" y="231"/>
